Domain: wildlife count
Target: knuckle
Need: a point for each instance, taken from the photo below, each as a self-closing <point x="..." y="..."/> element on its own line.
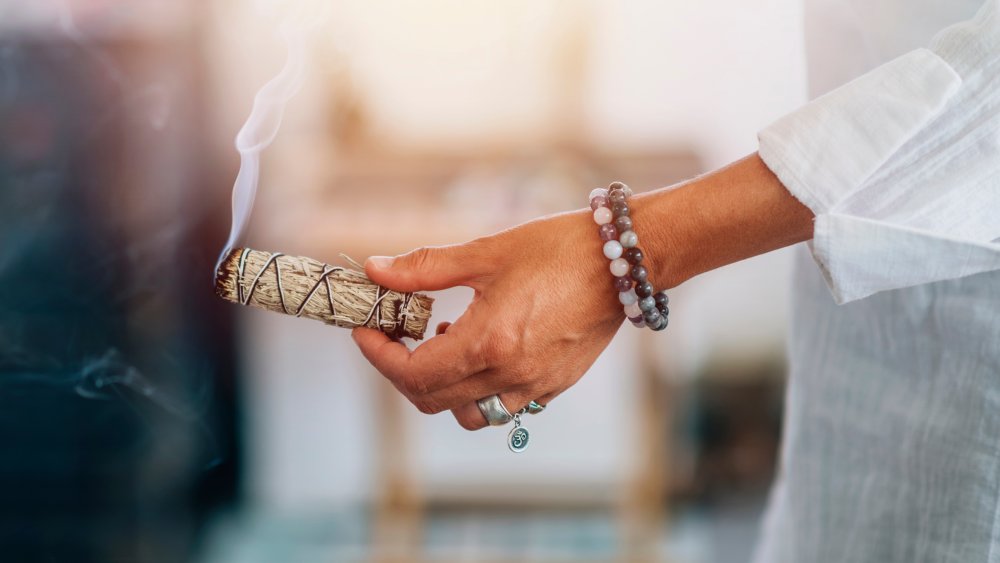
<point x="414" y="386"/>
<point x="498" y="346"/>
<point x="476" y="352"/>
<point x="420" y="258"/>
<point x="426" y="406"/>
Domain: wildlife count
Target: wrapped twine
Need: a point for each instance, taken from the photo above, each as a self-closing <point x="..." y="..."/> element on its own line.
<point x="303" y="287"/>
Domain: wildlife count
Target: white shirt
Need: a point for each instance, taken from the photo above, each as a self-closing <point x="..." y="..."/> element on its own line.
<point x="891" y="447"/>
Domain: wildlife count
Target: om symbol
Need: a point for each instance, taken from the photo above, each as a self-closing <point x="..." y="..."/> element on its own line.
<point x="518" y="440"/>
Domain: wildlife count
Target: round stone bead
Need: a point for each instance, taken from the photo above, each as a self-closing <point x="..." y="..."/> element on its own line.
<point x="623" y="223"/>
<point x="639" y="273"/>
<point x="619" y="267"/>
<point x="628" y="239"/>
<point x="620" y="209"/>
<point x="618" y="186"/>
<point x="661" y="324"/>
<point x="612" y="249"/>
<point x="651" y="317"/>
<point x="663" y="309"/>
<point x="633" y="255"/>
<point x="661" y="298"/>
<point x="647" y="304"/>
<point x="608" y="232"/>
<point x="616" y="197"/>
<point x="602" y="215"/>
<point x="628" y="297"/>
<point x="598" y="192"/>
<point x="623" y="283"/>
<point x="632" y="311"/>
<point x="599" y="201"/>
<point x="644" y="289"/>
<point x="639" y="324"/>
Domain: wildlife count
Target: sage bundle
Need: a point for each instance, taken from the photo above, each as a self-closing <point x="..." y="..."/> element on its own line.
<point x="303" y="287"/>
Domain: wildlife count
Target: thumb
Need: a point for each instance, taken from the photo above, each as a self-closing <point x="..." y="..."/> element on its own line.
<point x="429" y="268"/>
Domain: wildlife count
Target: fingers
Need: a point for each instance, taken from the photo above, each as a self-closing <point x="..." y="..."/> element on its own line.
<point x="385" y="354"/>
<point x="547" y="398"/>
<point x="470" y="417"/>
<point x="436" y="382"/>
<point x="440" y="362"/>
<point x="397" y="363"/>
<point x="482" y="384"/>
<point x="437" y="376"/>
<point x="429" y="268"/>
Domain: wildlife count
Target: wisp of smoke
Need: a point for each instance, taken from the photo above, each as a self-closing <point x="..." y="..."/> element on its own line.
<point x="110" y="376"/>
<point x="101" y="377"/>
<point x="260" y="129"/>
<point x="155" y="99"/>
<point x="109" y="372"/>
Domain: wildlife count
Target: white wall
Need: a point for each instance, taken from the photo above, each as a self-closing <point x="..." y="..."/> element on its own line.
<point x="710" y="72"/>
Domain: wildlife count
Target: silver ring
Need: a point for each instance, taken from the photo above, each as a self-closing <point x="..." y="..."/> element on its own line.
<point x="493" y="411"/>
<point x="534" y="407"/>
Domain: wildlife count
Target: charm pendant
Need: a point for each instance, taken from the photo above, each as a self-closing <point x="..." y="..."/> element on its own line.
<point x="517" y="440"/>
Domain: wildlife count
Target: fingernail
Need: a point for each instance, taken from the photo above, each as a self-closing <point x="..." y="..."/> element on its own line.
<point x="381" y="262"/>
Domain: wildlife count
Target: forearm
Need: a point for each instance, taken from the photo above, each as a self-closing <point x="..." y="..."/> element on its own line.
<point x="723" y="217"/>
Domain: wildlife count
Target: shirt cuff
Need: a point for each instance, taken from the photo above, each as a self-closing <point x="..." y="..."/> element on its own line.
<point x="859" y="257"/>
<point x="824" y="152"/>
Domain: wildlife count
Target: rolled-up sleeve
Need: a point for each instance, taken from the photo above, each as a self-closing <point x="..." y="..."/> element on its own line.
<point x="902" y="166"/>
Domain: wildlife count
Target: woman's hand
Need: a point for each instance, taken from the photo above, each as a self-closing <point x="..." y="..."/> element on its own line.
<point x="544" y="306"/>
<point x="544" y="309"/>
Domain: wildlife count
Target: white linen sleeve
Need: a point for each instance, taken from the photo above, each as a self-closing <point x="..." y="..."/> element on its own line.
<point x="902" y="166"/>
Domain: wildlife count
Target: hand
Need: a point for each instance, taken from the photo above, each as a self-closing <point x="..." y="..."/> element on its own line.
<point x="544" y="309"/>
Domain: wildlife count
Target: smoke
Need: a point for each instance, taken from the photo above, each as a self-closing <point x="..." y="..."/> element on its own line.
<point x="105" y="377"/>
<point x="109" y="373"/>
<point x="110" y="377"/>
<point x="261" y="127"/>
<point x="64" y="17"/>
<point x="154" y="99"/>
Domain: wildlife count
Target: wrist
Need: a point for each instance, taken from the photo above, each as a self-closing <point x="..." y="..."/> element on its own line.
<point x="592" y="266"/>
<point x="659" y="226"/>
<point x="641" y="303"/>
<point x="726" y="216"/>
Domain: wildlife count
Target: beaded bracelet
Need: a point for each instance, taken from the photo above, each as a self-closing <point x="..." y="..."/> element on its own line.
<point x="643" y="306"/>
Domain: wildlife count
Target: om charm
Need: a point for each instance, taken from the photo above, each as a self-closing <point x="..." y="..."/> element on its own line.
<point x="517" y="440"/>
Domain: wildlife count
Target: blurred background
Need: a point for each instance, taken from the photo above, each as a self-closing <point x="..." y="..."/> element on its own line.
<point x="144" y="420"/>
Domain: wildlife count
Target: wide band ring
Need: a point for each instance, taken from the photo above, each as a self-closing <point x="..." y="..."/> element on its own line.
<point x="495" y="413"/>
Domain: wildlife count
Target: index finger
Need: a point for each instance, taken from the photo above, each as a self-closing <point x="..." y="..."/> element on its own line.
<point x="437" y="363"/>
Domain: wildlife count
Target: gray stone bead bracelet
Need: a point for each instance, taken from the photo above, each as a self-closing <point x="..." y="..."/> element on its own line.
<point x="643" y="306"/>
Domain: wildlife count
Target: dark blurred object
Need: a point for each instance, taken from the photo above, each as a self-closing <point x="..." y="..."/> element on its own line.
<point x="735" y="418"/>
<point x="117" y="396"/>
